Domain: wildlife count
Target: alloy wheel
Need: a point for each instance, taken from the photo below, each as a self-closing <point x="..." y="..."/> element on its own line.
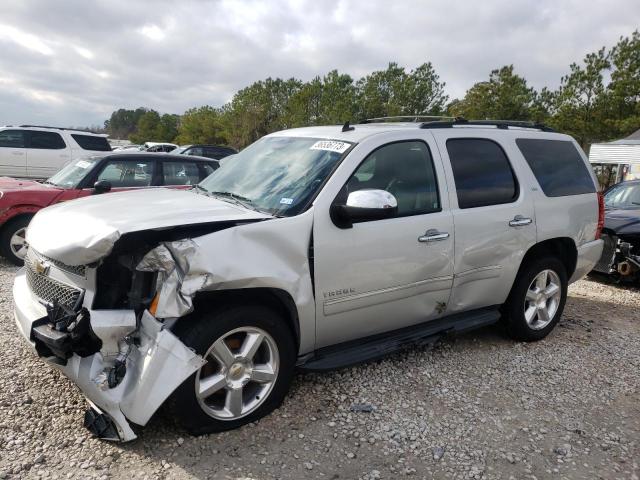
<point x="542" y="300"/>
<point x="18" y="243"/>
<point x="241" y="370"/>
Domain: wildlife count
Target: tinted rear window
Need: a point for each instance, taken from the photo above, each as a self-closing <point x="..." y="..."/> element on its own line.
<point x="558" y="166"/>
<point x="482" y="172"/>
<point x="90" y="142"/>
<point x="46" y="140"/>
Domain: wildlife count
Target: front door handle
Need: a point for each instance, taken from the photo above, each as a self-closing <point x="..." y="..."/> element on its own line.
<point x="433" y="235"/>
<point x="520" y="221"/>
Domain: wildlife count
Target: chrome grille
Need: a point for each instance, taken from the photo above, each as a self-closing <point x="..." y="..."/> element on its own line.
<point x="48" y="289"/>
<point x="75" y="269"/>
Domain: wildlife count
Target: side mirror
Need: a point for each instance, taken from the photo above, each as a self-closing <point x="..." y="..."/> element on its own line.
<point x="364" y="205"/>
<point x="101" y="186"/>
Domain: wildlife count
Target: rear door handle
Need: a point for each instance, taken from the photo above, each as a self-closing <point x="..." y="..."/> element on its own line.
<point x="433" y="235"/>
<point x="520" y="221"/>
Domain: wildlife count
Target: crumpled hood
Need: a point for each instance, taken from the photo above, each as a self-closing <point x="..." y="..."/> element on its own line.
<point x="623" y="221"/>
<point x="83" y="231"/>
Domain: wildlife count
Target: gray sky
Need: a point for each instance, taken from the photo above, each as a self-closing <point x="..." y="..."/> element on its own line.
<point x="72" y="63"/>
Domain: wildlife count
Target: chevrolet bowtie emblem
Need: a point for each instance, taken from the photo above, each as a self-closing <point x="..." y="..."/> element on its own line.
<point x="41" y="267"/>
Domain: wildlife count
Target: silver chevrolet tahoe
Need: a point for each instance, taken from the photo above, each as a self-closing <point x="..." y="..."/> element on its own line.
<point x="314" y="248"/>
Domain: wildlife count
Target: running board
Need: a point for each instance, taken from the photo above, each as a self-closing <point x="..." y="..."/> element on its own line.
<point x="377" y="346"/>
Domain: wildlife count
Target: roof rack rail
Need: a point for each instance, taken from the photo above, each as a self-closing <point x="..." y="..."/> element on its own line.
<point x="501" y="124"/>
<point x="409" y="118"/>
<point x="55" y="128"/>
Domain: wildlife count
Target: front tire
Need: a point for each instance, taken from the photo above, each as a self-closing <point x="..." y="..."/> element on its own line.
<point x="250" y="354"/>
<point x="13" y="246"/>
<point x="537" y="299"/>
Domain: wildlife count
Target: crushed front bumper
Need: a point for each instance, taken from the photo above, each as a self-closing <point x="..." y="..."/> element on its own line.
<point x="156" y="364"/>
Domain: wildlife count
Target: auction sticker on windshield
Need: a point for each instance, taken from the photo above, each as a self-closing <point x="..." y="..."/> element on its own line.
<point x="330" y="146"/>
<point x="83" y="164"/>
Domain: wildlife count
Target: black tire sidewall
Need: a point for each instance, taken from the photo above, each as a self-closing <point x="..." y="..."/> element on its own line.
<point x="516" y="323"/>
<point x="11" y="227"/>
<point x="207" y="329"/>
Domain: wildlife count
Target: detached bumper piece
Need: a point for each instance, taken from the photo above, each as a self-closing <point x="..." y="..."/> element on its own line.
<point x="63" y="332"/>
<point x="100" y="425"/>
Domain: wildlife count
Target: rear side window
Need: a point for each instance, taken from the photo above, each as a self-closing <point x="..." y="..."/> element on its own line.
<point x="128" y="173"/>
<point x="46" y="140"/>
<point x="558" y="166"/>
<point x="482" y="172"/>
<point x="91" y="142"/>
<point x="180" y="173"/>
<point x="12" y="138"/>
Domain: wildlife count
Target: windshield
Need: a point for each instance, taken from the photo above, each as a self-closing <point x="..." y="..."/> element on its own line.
<point x="278" y="175"/>
<point x="623" y="196"/>
<point x="73" y="172"/>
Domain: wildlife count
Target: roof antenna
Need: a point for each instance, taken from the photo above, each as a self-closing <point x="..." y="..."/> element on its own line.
<point x="346" y="127"/>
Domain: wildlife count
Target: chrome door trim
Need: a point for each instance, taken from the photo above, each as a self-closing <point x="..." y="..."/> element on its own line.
<point x="385" y="295"/>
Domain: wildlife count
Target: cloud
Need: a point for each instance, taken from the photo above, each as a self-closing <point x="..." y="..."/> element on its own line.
<point x="73" y="62"/>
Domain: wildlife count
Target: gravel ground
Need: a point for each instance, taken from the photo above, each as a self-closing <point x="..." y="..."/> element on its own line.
<point x="478" y="406"/>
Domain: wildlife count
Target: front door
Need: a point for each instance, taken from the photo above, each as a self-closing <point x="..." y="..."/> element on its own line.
<point x="381" y="275"/>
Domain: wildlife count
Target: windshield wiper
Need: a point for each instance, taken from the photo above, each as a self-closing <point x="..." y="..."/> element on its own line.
<point x="198" y="187"/>
<point x="239" y="199"/>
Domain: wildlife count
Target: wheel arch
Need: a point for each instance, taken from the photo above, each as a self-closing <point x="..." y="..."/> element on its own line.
<point x="277" y="299"/>
<point x="564" y="248"/>
<point x="19" y="213"/>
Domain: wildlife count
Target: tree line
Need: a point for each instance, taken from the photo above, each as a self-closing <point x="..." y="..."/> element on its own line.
<point x="597" y="100"/>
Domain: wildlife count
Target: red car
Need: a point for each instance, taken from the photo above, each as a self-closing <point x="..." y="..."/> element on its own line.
<point x="21" y="199"/>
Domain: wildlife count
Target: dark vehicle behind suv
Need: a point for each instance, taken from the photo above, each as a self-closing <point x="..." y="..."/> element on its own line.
<point x="621" y="233"/>
<point x="210" y="151"/>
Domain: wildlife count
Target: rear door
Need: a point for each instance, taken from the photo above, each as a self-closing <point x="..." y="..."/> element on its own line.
<point x="47" y="153"/>
<point x="13" y="153"/>
<point x="493" y="212"/>
<point x="382" y="275"/>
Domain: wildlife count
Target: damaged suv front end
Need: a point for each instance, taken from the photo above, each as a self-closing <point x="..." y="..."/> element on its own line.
<point x="108" y="280"/>
<point x="87" y="312"/>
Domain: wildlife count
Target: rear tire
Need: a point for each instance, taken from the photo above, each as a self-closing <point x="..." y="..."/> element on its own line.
<point x="250" y="355"/>
<point x="537" y="299"/>
<point x="12" y="239"/>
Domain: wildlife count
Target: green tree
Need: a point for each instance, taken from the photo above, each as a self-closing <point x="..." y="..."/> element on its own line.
<point x="123" y="122"/>
<point x="393" y="92"/>
<point x="152" y="127"/>
<point x="623" y="92"/>
<point x="323" y="101"/>
<point x="506" y="96"/>
<point x="259" y="109"/>
<point x="578" y="107"/>
<point x="201" y="125"/>
<point x="422" y="92"/>
<point x="379" y="93"/>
